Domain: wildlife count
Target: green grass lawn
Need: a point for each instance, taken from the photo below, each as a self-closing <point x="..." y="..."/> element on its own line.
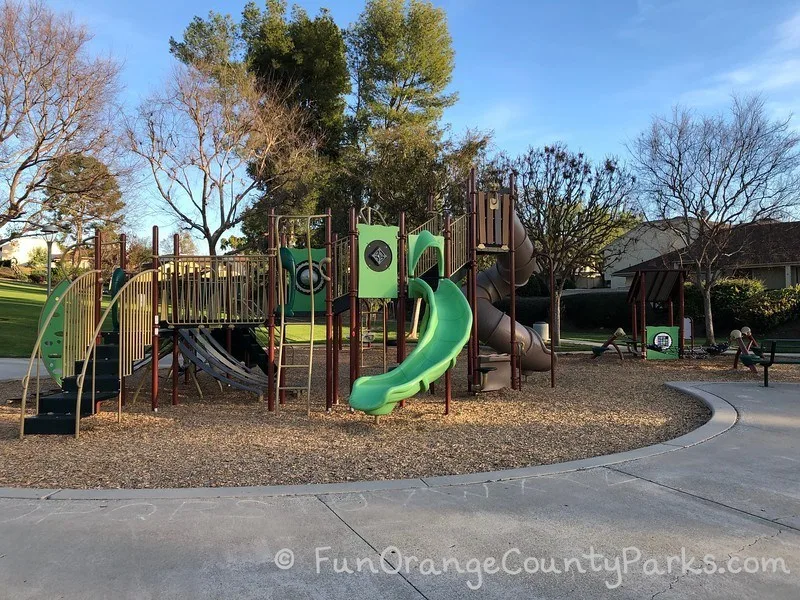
<point x="588" y="336"/>
<point x="20" y="305"/>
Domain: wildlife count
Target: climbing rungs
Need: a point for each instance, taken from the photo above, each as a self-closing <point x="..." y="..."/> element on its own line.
<point x="293" y="387"/>
<point x="294" y="366"/>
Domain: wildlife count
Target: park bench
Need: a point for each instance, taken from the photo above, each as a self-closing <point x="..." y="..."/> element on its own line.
<point x="774" y="352"/>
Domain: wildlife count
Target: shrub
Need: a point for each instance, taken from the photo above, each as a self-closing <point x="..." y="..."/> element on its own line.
<point x="771" y="308"/>
<point x="535" y="287"/>
<point x="37" y="276"/>
<point x="727" y="299"/>
<point x="606" y="310"/>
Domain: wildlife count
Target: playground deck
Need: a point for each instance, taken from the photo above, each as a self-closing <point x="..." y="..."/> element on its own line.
<point x="227" y="439"/>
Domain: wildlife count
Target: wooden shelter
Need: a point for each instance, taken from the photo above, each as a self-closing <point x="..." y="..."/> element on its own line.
<point x="664" y="286"/>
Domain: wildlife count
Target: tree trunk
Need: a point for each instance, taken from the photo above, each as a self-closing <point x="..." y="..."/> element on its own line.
<point x="555" y="326"/>
<point x="709" y="316"/>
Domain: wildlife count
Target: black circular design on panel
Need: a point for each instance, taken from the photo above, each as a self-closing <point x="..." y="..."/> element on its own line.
<point x="303" y="274"/>
<point x="378" y="255"/>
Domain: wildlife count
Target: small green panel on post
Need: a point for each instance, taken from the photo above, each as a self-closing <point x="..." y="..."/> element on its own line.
<point x="377" y="261"/>
<point x="307" y="281"/>
<point x="662" y="343"/>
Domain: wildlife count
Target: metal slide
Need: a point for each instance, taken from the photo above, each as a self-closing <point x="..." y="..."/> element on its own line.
<point x="494" y="326"/>
<point x="211" y="359"/>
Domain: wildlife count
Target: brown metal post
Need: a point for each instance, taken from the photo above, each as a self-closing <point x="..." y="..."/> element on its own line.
<point x="473" y="275"/>
<point x="400" y="317"/>
<point x="123" y="251"/>
<point x="156" y="323"/>
<point x="448" y="271"/>
<point x="681" y="317"/>
<point x="634" y="321"/>
<point x="513" y="284"/>
<point x="355" y="317"/>
<point x="176" y="250"/>
<point x="282" y="242"/>
<point x="329" y="352"/>
<point x="552" y="323"/>
<point x="123" y="264"/>
<point x="643" y="316"/>
<point x="271" y="289"/>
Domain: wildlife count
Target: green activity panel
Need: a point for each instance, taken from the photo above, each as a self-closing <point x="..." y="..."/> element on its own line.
<point x="117" y="281"/>
<point x="662" y="342"/>
<point x="53" y="338"/>
<point x="305" y="280"/>
<point x="377" y="261"/>
<point x="448" y="324"/>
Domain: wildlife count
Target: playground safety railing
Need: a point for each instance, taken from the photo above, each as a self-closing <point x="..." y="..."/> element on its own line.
<point x="459" y="230"/>
<point x="134" y="300"/>
<point x="214" y="290"/>
<point x="78" y="308"/>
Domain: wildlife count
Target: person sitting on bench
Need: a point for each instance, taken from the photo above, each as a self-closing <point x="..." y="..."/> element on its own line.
<point x="743" y="343"/>
<point x="750" y="342"/>
<point x="599" y="350"/>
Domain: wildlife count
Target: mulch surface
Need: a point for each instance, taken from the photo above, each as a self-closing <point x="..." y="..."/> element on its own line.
<point x="228" y="438"/>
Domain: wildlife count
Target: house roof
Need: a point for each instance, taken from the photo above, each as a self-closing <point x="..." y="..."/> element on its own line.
<point x="660" y="285"/>
<point x="766" y="243"/>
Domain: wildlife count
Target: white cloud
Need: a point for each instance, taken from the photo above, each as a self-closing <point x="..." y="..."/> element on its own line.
<point x="775" y="71"/>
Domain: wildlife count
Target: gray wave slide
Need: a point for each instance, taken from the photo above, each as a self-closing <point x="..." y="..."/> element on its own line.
<point x="494" y="326"/>
<point x="201" y="349"/>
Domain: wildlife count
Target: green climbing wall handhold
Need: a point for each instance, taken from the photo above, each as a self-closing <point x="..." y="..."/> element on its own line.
<point x="53" y="338"/>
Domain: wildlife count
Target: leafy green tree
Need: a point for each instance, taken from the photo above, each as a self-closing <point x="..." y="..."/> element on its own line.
<point x="82" y="192"/>
<point x="401" y="59"/>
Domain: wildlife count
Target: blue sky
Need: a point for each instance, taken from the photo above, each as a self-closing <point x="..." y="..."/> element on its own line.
<point x="591" y="74"/>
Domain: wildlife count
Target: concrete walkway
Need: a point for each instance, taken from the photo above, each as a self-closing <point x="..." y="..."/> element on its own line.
<point x="15" y="368"/>
<point x="732" y="501"/>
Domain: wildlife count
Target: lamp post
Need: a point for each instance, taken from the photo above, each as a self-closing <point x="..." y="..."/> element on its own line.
<point x="50" y="232"/>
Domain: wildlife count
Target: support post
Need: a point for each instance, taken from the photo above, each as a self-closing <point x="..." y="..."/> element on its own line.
<point x="156" y="323"/>
<point x="176" y="251"/>
<point x="552" y="323"/>
<point x="329" y="343"/>
<point x="634" y="321"/>
<point x="512" y="276"/>
<point x="671" y="311"/>
<point x="448" y="271"/>
<point x="123" y="264"/>
<point x="400" y="317"/>
<point x="271" y="289"/>
<point x="473" y="276"/>
<point x="681" y="316"/>
<point x="643" y="316"/>
<point x="355" y="317"/>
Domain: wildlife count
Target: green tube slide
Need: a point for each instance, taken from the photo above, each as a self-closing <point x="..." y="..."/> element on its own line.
<point x="449" y="320"/>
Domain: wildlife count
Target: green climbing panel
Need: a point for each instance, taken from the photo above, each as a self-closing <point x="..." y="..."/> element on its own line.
<point x="117" y="281"/>
<point x="307" y="281"/>
<point x="662" y="343"/>
<point x="377" y="261"/>
<point x="53" y="338"/>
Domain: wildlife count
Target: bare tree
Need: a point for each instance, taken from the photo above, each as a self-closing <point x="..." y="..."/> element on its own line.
<point x="55" y="101"/>
<point x="701" y="177"/>
<point x="571" y="210"/>
<point x="210" y="145"/>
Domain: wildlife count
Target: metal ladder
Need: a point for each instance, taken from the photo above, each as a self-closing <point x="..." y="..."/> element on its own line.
<point x="282" y="343"/>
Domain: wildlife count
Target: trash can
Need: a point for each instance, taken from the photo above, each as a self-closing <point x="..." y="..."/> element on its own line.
<point x="543" y="329"/>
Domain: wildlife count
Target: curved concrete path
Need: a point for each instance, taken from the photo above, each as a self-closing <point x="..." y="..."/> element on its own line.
<point x="727" y="492"/>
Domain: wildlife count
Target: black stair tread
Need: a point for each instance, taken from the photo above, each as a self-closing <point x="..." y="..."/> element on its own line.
<point x="72" y="396"/>
<point x="50" y="425"/>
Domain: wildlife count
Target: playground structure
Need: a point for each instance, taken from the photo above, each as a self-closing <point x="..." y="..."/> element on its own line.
<point x="230" y="316"/>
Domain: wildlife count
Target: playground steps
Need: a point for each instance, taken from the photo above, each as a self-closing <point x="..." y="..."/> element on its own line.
<point x="56" y="414"/>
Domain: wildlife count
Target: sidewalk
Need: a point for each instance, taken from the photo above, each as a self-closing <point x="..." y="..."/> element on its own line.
<point x="733" y="499"/>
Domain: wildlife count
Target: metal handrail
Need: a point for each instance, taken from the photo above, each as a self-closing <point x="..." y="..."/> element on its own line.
<point x="37" y="347"/>
<point x="92" y="349"/>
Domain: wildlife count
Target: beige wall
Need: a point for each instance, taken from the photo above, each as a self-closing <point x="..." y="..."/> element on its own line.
<point x="641" y="243"/>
